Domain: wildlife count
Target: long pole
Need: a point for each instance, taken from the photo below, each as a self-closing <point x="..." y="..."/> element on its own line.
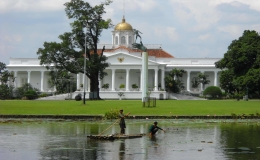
<point x="112" y="124"/>
<point x="84" y="76"/>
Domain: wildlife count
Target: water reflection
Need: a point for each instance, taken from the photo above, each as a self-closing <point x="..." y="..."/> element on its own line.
<point x="122" y="150"/>
<point x="182" y="140"/>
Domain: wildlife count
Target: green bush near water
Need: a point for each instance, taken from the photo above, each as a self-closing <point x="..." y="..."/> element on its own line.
<point x="111" y="114"/>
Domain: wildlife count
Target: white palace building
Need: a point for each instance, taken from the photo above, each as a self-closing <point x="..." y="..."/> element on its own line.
<point x="125" y="68"/>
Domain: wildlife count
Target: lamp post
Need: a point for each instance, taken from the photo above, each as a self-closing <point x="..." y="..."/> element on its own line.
<point x="84" y="77"/>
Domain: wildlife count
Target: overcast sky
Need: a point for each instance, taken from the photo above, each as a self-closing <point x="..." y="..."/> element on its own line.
<point x="184" y="28"/>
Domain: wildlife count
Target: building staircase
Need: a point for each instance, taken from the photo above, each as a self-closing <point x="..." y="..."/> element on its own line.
<point x="55" y="97"/>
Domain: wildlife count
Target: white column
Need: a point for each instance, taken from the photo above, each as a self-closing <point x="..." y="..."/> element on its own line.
<point x="78" y="81"/>
<point x="162" y="79"/>
<point x="216" y="78"/>
<point x="127" y="40"/>
<point x="15" y="79"/>
<point x="42" y="80"/>
<point x="83" y="79"/>
<point x="88" y="84"/>
<point x="119" y="39"/>
<point x="113" y="39"/>
<point x="100" y="83"/>
<point x="141" y="80"/>
<point x="29" y="77"/>
<point x="156" y="79"/>
<point x="8" y="82"/>
<point x="188" y="80"/>
<point x="144" y="75"/>
<point x="127" y="79"/>
<point x="113" y="79"/>
<point x="201" y="85"/>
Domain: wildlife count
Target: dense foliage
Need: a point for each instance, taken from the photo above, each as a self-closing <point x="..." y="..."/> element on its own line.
<point x="31" y="94"/>
<point x="241" y="65"/>
<point x="68" y="54"/>
<point x="111" y="114"/>
<point x="195" y="82"/>
<point x="62" y="80"/>
<point x="173" y="81"/>
<point x="6" y="82"/>
<point x="212" y="92"/>
<point x="203" y="79"/>
<point x="26" y="91"/>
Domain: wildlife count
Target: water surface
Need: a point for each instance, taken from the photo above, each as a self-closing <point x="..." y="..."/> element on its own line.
<point x="183" y="140"/>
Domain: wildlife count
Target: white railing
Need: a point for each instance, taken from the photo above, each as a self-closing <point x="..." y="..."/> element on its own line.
<point x="111" y="46"/>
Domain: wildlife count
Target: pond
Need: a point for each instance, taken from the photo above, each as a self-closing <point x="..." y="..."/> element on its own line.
<point x="183" y="139"/>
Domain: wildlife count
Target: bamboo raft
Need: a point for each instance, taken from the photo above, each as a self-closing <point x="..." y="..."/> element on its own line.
<point x="115" y="136"/>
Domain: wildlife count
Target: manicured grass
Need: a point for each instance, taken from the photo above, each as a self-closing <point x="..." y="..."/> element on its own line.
<point x="164" y="107"/>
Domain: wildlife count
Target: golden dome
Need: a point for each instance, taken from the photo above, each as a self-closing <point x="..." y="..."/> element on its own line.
<point x="123" y="26"/>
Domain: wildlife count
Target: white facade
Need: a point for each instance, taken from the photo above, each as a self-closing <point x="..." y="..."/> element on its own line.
<point x="125" y="68"/>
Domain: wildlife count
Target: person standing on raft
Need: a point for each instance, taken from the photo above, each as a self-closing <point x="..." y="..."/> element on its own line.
<point x="154" y="128"/>
<point x="122" y="121"/>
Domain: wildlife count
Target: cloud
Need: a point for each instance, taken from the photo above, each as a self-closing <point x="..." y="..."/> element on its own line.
<point x="233" y="30"/>
<point x="253" y="4"/>
<point x="166" y="32"/>
<point x="204" y="37"/>
<point x="31" y="5"/>
<point x="143" y="5"/>
<point x="200" y="12"/>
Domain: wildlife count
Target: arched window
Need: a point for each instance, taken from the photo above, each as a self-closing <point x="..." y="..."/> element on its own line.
<point x="116" y="40"/>
<point x="123" y="40"/>
<point x="130" y="40"/>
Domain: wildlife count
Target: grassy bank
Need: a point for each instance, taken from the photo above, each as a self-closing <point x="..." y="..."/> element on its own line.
<point x="164" y="108"/>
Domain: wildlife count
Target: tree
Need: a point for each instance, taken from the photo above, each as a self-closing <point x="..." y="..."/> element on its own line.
<point x="5" y="75"/>
<point x="195" y="82"/>
<point x="203" y="79"/>
<point x="62" y="80"/>
<point x="6" y="91"/>
<point x="173" y="81"/>
<point x="213" y="92"/>
<point x="68" y="54"/>
<point x="241" y="65"/>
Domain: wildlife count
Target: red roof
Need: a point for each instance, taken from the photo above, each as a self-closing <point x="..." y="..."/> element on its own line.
<point x="158" y="53"/>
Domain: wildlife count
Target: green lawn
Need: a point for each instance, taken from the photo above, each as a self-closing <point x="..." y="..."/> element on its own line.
<point x="164" y="107"/>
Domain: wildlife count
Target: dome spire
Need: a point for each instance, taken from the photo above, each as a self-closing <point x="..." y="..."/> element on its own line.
<point x="123" y="20"/>
<point x="123" y="25"/>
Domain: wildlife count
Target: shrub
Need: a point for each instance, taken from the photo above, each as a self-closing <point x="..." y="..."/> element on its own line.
<point x="31" y="94"/>
<point x="212" y="92"/>
<point x="6" y="92"/>
<point x="43" y="95"/>
<point x="122" y="86"/>
<point x="78" y="97"/>
<point x="105" y="86"/>
<point x="134" y="86"/>
<point x="21" y="91"/>
<point x="112" y="114"/>
<point x="24" y="98"/>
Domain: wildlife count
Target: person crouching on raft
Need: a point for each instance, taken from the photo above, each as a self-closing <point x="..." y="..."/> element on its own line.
<point x="154" y="128"/>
